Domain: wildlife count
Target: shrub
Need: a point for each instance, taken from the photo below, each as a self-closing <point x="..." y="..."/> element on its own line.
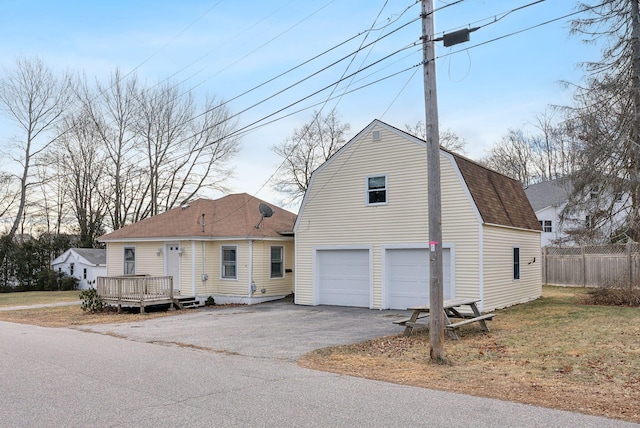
<point x="617" y="293"/>
<point x="210" y="301"/>
<point x="68" y="283"/>
<point x="91" y="301"/>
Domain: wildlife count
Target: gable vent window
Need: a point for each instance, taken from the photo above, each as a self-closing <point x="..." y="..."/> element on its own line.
<point x="377" y="190"/>
<point x="376" y="135"/>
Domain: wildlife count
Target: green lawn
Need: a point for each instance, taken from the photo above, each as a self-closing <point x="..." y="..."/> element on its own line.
<point x="38" y="297"/>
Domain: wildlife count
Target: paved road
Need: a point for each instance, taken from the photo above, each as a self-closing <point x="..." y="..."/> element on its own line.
<point x="231" y="367"/>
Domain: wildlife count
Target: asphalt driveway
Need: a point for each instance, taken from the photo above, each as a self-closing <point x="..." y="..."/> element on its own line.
<point x="278" y="330"/>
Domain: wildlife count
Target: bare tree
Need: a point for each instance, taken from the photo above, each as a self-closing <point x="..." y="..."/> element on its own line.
<point x="449" y="140"/>
<point x="34" y="99"/>
<point x="112" y="112"/>
<point x="513" y="156"/>
<point x="185" y="151"/>
<point x="606" y="115"/>
<point x="306" y="150"/>
<point x="8" y="194"/>
<point x="79" y="164"/>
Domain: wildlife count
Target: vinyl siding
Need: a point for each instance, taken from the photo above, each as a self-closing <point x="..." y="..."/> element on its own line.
<point x="200" y="257"/>
<point x="147" y="262"/>
<point x="335" y="213"/>
<point x="262" y="269"/>
<point x="501" y="289"/>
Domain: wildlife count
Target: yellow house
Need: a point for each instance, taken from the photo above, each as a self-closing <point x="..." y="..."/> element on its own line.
<point x="362" y="230"/>
<point x="237" y="249"/>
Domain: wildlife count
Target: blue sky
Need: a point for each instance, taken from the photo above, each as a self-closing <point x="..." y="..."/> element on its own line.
<point x="222" y="48"/>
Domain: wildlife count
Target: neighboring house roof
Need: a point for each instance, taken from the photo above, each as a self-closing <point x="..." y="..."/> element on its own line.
<point x="91" y="256"/>
<point x="232" y="216"/>
<point x="94" y="256"/>
<point x="549" y="193"/>
<point x="500" y="199"/>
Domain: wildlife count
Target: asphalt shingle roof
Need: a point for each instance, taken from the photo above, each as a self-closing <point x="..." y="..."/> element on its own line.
<point x="500" y="199"/>
<point x="95" y="256"/>
<point x="232" y="216"/>
<point x="548" y="193"/>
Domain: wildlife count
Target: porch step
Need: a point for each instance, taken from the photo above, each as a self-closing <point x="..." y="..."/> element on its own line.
<point x="186" y="302"/>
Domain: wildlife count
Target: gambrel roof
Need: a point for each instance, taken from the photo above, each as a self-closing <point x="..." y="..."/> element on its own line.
<point x="500" y="199"/>
<point x="233" y="216"/>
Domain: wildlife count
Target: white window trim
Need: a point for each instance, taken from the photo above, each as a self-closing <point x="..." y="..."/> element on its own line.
<point x="222" y="248"/>
<point x="543" y="224"/>
<point x="124" y="261"/>
<point x="386" y="190"/>
<point x="513" y="264"/>
<point x="281" y="261"/>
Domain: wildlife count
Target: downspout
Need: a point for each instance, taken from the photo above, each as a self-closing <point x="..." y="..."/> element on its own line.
<point x="481" y="267"/>
<point x="193" y="268"/>
<point x="205" y="277"/>
<point x="251" y="284"/>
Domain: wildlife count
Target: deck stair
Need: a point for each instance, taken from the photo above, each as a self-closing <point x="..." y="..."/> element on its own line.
<point x="186" y="302"/>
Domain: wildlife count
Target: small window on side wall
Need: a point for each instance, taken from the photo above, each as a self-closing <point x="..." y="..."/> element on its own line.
<point x="516" y="263"/>
<point x="277" y="262"/>
<point x="377" y="190"/>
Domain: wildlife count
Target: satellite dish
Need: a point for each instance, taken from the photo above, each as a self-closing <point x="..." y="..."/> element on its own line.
<point x="265" y="212"/>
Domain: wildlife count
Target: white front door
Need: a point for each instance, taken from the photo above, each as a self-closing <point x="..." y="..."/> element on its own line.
<point x="172" y="264"/>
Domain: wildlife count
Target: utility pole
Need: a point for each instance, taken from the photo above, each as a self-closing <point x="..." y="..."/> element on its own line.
<point x="436" y="312"/>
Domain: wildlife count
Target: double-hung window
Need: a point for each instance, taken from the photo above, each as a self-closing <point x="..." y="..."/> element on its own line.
<point x="277" y="262"/>
<point x="377" y="190"/>
<point x="229" y="267"/>
<point x="516" y="263"/>
<point x="129" y="260"/>
<point x="546" y="225"/>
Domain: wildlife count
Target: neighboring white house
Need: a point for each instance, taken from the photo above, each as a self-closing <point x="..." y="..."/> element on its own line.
<point x="550" y="198"/>
<point x="85" y="264"/>
<point x="362" y="231"/>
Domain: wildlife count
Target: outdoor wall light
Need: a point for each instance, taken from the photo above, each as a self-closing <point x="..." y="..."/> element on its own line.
<point x="180" y="251"/>
<point x="159" y="252"/>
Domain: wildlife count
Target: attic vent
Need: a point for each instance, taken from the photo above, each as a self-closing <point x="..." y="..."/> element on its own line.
<point x="376" y="135"/>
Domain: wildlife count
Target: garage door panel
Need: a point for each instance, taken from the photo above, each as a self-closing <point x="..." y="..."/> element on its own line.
<point x="407" y="277"/>
<point x="343" y="277"/>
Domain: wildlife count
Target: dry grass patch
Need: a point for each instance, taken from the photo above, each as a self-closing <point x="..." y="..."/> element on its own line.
<point x="38" y="297"/>
<point x="553" y="352"/>
<point x="70" y="316"/>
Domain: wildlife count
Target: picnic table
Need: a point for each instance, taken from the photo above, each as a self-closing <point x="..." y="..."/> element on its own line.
<point x="452" y="309"/>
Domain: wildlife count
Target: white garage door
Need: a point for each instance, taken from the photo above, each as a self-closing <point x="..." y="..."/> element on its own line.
<point x="407" y="277"/>
<point x="343" y="277"/>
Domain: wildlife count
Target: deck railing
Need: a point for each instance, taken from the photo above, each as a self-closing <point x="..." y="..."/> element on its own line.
<point x="135" y="290"/>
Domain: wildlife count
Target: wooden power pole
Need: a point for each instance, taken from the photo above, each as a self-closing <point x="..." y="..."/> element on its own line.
<point x="436" y="314"/>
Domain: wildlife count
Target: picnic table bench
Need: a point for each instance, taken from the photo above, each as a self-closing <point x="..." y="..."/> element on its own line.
<point x="420" y="317"/>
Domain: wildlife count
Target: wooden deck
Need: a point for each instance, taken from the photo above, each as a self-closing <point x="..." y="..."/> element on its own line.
<point x="136" y="291"/>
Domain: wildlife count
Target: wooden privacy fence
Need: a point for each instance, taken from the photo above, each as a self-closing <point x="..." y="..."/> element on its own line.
<point x="135" y="290"/>
<point x="592" y="265"/>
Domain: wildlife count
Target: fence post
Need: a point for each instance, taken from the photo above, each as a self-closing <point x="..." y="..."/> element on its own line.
<point x="584" y="266"/>
<point x="629" y="265"/>
<point x="544" y="266"/>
